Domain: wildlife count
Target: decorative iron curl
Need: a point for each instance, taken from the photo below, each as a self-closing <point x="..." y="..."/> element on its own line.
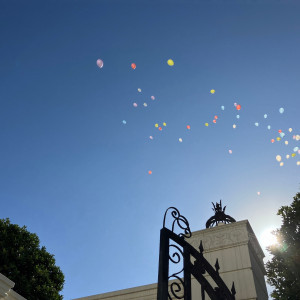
<point x="176" y="254"/>
<point x="175" y="288"/>
<point x="181" y="222"/>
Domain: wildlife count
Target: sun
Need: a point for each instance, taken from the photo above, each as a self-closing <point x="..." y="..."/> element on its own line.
<point x="267" y="238"/>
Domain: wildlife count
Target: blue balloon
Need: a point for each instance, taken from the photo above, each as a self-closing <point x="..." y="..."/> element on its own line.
<point x="265" y="116"/>
<point x="256" y="124"/>
<point x="269" y="127"/>
<point x="124" y="122"/>
<point x="281" y="110"/>
<point x="237" y="116"/>
<point x="282" y="134"/>
<point x="222" y="107"/>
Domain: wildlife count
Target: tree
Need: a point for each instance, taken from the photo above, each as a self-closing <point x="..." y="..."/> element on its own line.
<point x="27" y="264"/>
<point x="283" y="270"/>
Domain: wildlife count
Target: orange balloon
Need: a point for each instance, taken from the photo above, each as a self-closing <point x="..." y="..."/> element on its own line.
<point x="272" y="140"/>
<point x="150" y="172"/>
<point x="238" y="107"/>
<point x="188" y="127"/>
<point x="214" y="121"/>
<point x="216" y="117"/>
<point x="133" y="66"/>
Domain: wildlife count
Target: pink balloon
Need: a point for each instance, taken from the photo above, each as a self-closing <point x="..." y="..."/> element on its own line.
<point x="230" y="151"/>
<point x="135" y="104"/>
<point x="152" y="97"/>
<point x="100" y="63"/>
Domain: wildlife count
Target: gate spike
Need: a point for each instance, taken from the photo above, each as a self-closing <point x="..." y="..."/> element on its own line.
<point x="233" y="289"/>
<point x="217" y="266"/>
<point x="201" y="247"/>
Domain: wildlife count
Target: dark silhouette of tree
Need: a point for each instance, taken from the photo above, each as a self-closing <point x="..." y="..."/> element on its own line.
<point x="283" y="270"/>
<point x="27" y="264"/>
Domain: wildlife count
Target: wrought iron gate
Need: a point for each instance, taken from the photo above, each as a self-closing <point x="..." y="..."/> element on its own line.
<point x="180" y="288"/>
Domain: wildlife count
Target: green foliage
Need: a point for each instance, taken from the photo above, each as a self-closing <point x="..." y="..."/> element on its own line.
<point x="32" y="268"/>
<point x="283" y="270"/>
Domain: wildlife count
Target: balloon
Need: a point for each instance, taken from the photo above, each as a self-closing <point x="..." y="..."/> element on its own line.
<point x="281" y="164"/>
<point x="282" y="134"/>
<point x="139" y="90"/>
<point x="269" y="127"/>
<point x="299" y="151"/>
<point x="265" y="116"/>
<point x="235" y="104"/>
<point x="216" y="117"/>
<point x="150" y="172"/>
<point x="297" y="137"/>
<point x="99" y="63"/>
<point x="156" y="125"/>
<point x="256" y="124"/>
<point x="151" y="137"/>
<point x="206" y="124"/>
<point x="258" y="193"/>
<point x="290" y="129"/>
<point x="159" y="128"/>
<point x="296" y="149"/>
<point x="133" y="66"/>
<point x="293" y="155"/>
<point x="170" y="62"/>
<point x="180" y="140"/>
<point x="230" y="151"/>
<point x="298" y="163"/>
<point x="152" y="98"/>
<point x="164" y="123"/>
<point x="286" y="142"/>
<point x="237" y="116"/>
<point x="222" y="107"/>
<point x="124" y="122"/>
<point x="278" y="158"/>
<point x="215" y="121"/>
<point x="234" y="126"/>
<point x="281" y="110"/>
<point x="135" y="104"/>
<point x="279" y="130"/>
<point x="238" y="107"/>
<point x="145" y="104"/>
<point x="272" y="140"/>
<point x="212" y="91"/>
<point x="188" y="127"/>
<point x="287" y="156"/>
<point x="278" y="138"/>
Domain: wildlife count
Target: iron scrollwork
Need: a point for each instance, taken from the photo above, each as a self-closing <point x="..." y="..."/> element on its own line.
<point x="180" y="220"/>
<point x="176" y="287"/>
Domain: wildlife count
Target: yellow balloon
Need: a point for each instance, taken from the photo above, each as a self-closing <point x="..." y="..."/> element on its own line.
<point x="278" y="158"/>
<point x="278" y="139"/>
<point x="212" y="91"/>
<point x="298" y="163"/>
<point x="170" y="62"/>
<point x="281" y="164"/>
<point x="293" y="155"/>
<point x="206" y="124"/>
<point x="286" y="142"/>
<point x="156" y="125"/>
<point x="165" y="124"/>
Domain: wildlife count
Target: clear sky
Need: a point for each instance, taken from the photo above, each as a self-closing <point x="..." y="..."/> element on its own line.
<point x="73" y="173"/>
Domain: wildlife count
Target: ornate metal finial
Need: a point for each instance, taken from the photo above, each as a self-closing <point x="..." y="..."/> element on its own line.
<point x="180" y="220"/>
<point x="219" y="216"/>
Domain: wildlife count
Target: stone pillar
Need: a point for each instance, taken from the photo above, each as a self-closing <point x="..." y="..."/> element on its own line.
<point x="240" y="259"/>
<point x="6" y="291"/>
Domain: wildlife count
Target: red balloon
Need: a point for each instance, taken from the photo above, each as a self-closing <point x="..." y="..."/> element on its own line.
<point x="279" y="130"/>
<point x="159" y="128"/>
<point x="188" y="127"/>
<point x="238" y="107"/>
<point x="216" y="117"/>
<point x="150" y="172"/>
<point x="272" y="140"/>
<point x="133" y="66"/>
<point x="214" y="121"/>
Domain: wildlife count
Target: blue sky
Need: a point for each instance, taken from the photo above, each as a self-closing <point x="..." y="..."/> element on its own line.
<point x="73" y="173"/>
